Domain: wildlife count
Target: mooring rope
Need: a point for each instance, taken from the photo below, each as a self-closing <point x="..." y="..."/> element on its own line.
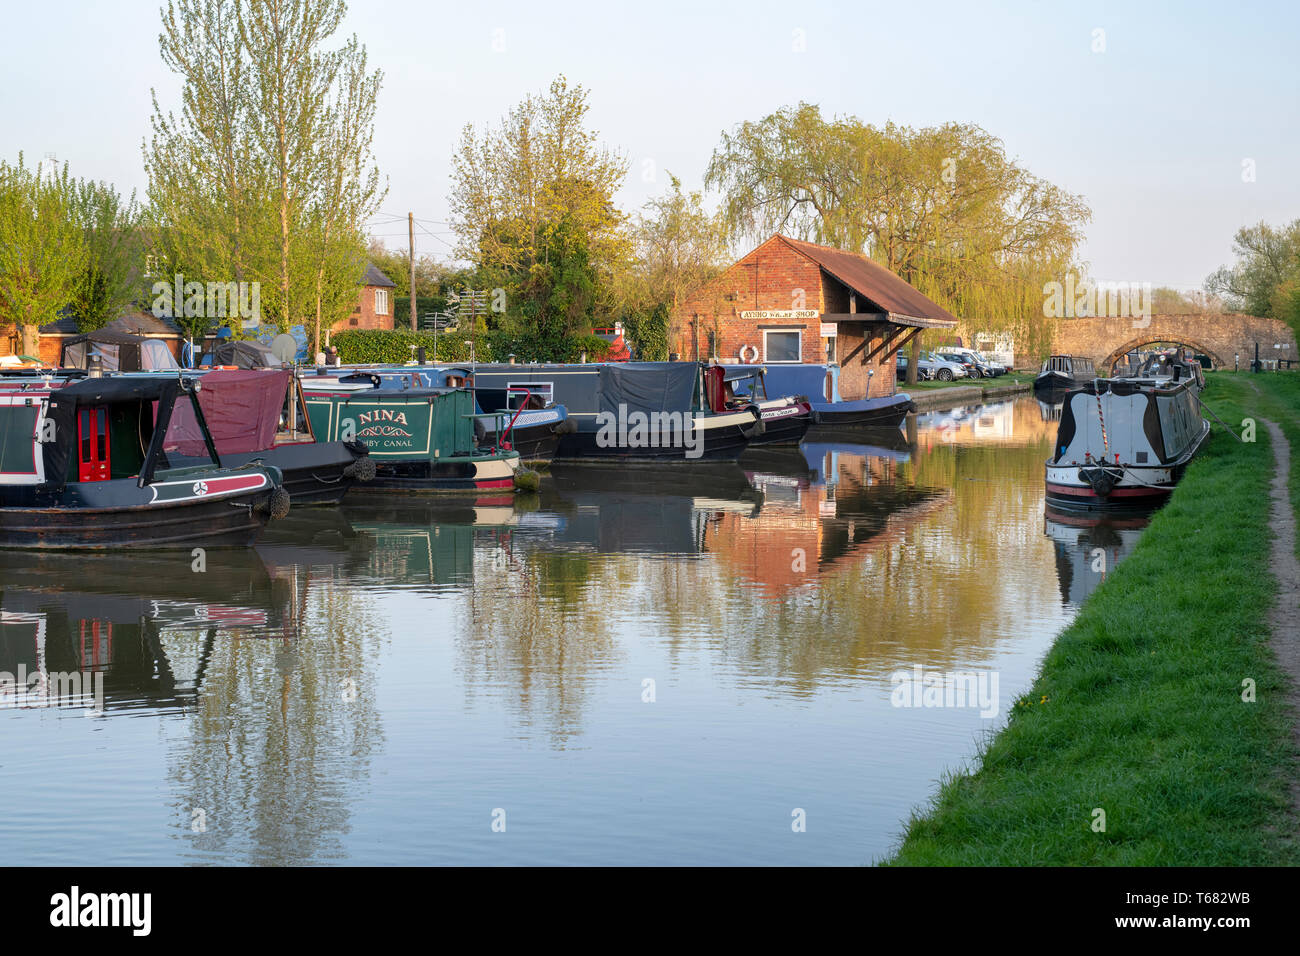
<point x="1218" y="419"/>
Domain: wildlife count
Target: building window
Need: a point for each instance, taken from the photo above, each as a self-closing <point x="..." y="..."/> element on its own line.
<point x="782" y="346"/>
<point x="381" y="302"/>
<point x="830" y="349"/>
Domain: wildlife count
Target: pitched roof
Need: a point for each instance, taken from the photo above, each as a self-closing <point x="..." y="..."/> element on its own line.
<point x="133" y="321"/>
<point x="873" y="282"/>
<point x="373" y="276"/>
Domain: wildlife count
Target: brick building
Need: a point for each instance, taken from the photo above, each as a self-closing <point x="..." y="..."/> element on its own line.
<point x="791" y="301"/>
<point x="374" y="308"/>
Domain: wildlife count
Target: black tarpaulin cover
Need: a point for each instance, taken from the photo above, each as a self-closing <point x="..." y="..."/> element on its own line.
<point x="658" y="387"/>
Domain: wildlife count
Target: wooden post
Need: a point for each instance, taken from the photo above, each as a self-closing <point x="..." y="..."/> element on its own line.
<point x="410" y="223"/>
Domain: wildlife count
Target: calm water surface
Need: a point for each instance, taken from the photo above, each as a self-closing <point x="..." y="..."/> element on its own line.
<point x="630" y="668"/>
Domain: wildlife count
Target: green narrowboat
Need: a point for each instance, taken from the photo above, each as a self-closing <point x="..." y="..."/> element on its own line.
<point x="419" y="439"/>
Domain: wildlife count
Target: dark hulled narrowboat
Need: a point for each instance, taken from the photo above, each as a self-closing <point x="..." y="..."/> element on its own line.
<point x="108" y="463"/>
<point x="819" y="385"/>
<point x="1124" y="443"/>
<point x="1060" y="374"/>
<point x="662" y="412"/>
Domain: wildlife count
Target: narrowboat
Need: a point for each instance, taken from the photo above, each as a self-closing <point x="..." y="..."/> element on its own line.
<point x="420" y="439"/>
<point x="111" y="463"/>
<point x="526" y="423"/>
<point x="651" y="412"/>
<point x="1060" y="373"/>
<point x="1124" y="443"/>
<point x="819" y="385"/>
<point x="258" y="416"/>
<point x="786" y="418"/>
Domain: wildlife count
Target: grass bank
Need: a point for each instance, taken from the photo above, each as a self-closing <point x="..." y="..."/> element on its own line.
<point x="1138" y="710"/>
<point x="1010" y="378"/>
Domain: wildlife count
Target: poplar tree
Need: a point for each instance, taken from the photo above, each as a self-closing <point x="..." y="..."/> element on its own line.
<point x="42" y="249"/>
<point x="267" y="173"/>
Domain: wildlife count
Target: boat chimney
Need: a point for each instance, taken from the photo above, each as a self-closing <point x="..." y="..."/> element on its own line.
<point x="420" y="355"/>
<point x="95" y="367"/>
<point x="511" y="358"/>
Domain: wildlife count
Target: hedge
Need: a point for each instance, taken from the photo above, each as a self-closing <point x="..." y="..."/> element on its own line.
<point x="393" y="347"/>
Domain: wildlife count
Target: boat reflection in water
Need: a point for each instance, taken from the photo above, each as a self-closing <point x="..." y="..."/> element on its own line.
<point x="81" y="615"/>
<point x="1088" y="547"/>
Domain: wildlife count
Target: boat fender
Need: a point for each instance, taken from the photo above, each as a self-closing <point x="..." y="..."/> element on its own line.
<point x="757" y="429"/>
<point x="749" y="354"/>
<point x="276" y="504"/>
<point x="566" y="427"/>
<point x="363" y="469"/>
<point x="1102" y="482"/>
<point x="480" y="432"/>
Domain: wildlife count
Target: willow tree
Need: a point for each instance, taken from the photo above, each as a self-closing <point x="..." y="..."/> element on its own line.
<point x="267" y="173"/>
<point x="42" y="247"/>
<point x="530" y="192"/>
<point x="944" y="207"/>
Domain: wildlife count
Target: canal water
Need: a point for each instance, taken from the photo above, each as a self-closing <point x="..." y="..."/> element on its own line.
<point x="695" y="666"/>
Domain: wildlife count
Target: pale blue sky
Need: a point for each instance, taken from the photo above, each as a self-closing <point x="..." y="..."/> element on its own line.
<point x="1153" y="131"/>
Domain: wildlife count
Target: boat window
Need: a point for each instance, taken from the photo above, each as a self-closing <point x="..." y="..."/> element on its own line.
<point x="537" y="392"/>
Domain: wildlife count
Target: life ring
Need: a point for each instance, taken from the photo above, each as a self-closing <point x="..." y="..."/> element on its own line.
<point x="753" y="354"/>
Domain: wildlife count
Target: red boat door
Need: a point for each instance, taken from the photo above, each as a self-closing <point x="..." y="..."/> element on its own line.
<point x="92" y="439"/>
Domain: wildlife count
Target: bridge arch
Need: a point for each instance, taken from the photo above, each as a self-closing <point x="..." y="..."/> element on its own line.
<point x="1108" y="363"/>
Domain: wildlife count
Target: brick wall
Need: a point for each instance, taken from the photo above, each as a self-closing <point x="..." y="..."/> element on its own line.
<point x="772" y="277"/>
<point x="1218" y="335"/>
<point x="364" y="315"/>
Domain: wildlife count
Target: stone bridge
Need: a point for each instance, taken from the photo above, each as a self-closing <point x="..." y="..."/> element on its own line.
<point x="1221" y="336"/>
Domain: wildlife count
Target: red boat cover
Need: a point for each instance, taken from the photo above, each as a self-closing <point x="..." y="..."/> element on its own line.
<point x="242" y="409"/>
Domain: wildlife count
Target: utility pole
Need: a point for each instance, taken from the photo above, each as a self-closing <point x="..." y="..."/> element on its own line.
<point x="410" y="224"/>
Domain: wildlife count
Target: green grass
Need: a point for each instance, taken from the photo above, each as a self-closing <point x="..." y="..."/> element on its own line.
<point x="1010" y="378"/>
<point x="1137" y="709"/>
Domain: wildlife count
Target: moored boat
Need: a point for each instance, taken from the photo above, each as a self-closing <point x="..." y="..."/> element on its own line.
<point x="259" y="416"/>
<point x="420" y="439"/>
<point x="1124" y="443"/>
<point x="107" y="463"/>
<point x="660" y="412"/>
<point x="527" y="423"/>
<point x="786" y="418"/>
<point x="1059" y="374"/>
<point x="819" y="385"/>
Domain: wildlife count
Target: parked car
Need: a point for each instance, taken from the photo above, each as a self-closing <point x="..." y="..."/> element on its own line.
<point x="923" y="373"/>
<point x="971" y="368"/>
<point x="988" y="368"/>
<point x="942" y="369"/>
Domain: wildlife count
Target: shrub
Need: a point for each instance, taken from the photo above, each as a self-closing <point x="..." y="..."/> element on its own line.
<point x="393" y="347"/>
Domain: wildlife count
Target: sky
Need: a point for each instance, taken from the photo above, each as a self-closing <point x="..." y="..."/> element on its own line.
<point x="1159" y="120"/>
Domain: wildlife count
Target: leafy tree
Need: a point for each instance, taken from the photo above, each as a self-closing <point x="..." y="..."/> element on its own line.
<point x="1268" y="264"/>
<point x="533" y="208"/>
<point x="42" y="247"/>
<point x="266" y="175"/>
<point x="943" y="207"/>
<point x="110" y="279"/>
